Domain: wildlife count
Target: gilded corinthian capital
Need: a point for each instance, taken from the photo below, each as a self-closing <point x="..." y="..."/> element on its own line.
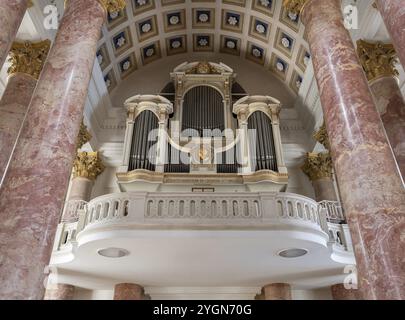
<point x="294" y="6"/>
<point x="113" y="6"/>
<point x="378" y="59"/>
<point x="318" y="166"/>
<point x="322" y="137"/>
<point x="28" y="57"/>
<point x="83" y="137"/>
<point x="87" y="165"/>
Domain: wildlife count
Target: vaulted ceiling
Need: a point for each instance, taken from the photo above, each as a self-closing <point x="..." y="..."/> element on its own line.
<point x="258" y="30"/>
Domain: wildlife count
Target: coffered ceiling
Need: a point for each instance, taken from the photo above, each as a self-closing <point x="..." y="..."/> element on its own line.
<point x="258" y="30"/>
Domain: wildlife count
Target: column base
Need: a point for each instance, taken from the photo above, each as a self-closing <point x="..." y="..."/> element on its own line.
<point x="59" y="291"/>
<point x="277" y="291"/>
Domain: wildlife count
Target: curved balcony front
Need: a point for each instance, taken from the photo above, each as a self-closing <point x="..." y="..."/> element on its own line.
<point x="214" y="239"/>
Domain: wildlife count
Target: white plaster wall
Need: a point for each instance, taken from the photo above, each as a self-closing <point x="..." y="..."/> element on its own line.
<point x="106" y="183"/>
<point x="299" y="183"/>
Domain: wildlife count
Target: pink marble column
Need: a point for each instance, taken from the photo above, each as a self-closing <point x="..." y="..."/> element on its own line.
<point x="26" y="62"/>
<point x="277" y="291"/>
<point x="393" y="14"/>
<point x="33" y="191"/>
<point x="339" y="292"/>
<point x="11" y="15"/>
<point x="13" y="107"/>
<point x="128" y="291"/>
<point x="391" y="106"/>
<point x="371" y="187"/>
<point x="324" y="189"/>
<point x="60" y="291"/>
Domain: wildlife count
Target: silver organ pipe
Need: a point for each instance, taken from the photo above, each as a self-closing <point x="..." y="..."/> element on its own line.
<point x="265" y="155"/>
<point x="141" y="146"/>
<point x="203" y="108"/>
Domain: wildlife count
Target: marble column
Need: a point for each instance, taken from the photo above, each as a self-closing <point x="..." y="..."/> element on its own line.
<point x="277" y="291"/>
<point x="371" y="187"/>
<point x="318" y="168"/>
<point x="60" y="291"/>
<point x="339" y="292"/>
<point x="393" y="14"/>
<point x="27" y="60"/>
<point x="378" y="61"/>
<point x="86" y="168"/>
<point x="33" y="191"/>
<point x="128" y="291"/>
<point x="11" y="15"/>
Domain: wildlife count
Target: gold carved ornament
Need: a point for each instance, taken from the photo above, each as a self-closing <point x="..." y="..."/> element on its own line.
<point x="87" y="165"/>
<point x="318" y="166"/>
<point x="294" y="6"/>
<point x="378" y="59"/>
<point x="203" y="68"/>
<point x="83" y="137"/>
<point x="322" y="137"/>
<point x="28" y="57"/>
<point x="113" y="6"/>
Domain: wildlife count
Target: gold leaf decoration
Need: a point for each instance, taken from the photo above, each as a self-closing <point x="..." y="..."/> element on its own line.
<point x="378" y="59"/>
<point x="88" y="165"/>
<point x="28" y="57"/>
<point x="318" y="166"/>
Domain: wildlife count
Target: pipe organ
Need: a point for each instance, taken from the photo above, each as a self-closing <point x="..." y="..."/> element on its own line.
<point x="143" y="151"/>
<point x="202" y="128"/>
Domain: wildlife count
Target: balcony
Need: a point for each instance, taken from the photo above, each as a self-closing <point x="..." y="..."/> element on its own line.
<point x="201" y="234"/>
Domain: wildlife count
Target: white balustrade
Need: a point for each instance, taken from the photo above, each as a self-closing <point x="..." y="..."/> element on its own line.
<point x="72" y="209"/>
<point x="334" y="211"/>
<point x="216" y="209"/>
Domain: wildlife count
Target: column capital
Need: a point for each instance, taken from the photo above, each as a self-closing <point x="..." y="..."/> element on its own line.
<point x="83" y="137"/>
<point x="318" y="166"/>
<point x="322" y="137"/>
<point x="377" y="59"/>
<point x="87" y="165"/>
<point x="294" y="6"/>
<point x="113" y="6"/>
<point x="28" y="57"/>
